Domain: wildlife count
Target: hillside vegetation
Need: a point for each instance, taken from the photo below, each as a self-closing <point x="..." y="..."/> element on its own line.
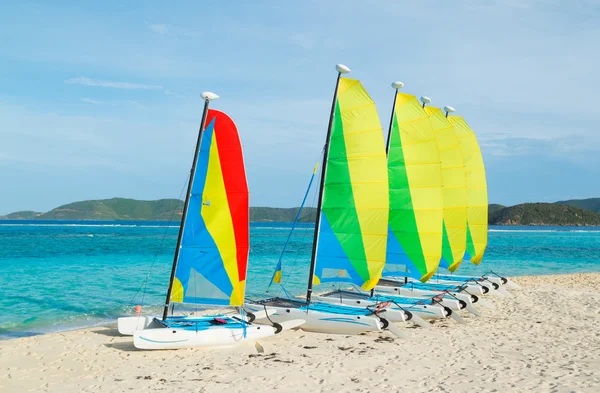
<point x="131" y="209"/>
<point x="23" y="215"/>
<point x="277" y="214"/>
<point x="560" y="213"/>
<point x="592" y="204"/>
<point x="494" y="207"/>
<point x="110" y="209"/>
<point x="543" y="214"/>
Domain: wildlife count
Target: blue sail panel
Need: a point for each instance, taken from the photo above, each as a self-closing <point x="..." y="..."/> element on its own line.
<point x="398" y="262"/>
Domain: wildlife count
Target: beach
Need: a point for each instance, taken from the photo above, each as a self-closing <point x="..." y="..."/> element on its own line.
<point x="543" y="339"/>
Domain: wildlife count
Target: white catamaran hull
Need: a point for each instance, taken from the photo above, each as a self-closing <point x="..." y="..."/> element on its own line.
<point x="128" y="325"/>
<point x="493" y="288"/>
<point x="169" y="338"/>
<point x="392" y="315"/>
<point x="427" y="295"/>
<point x="424" y="311"/>
<point x="501" y="281"/>
<point x="322" y="322"/>
<point x="471" y="288"/>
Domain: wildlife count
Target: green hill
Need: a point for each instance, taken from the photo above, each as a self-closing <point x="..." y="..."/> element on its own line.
<point x="278" y="214"/>
<point x="592" y="204"/>
<point x="22" y="215"/>
<point x="544" y="214"/>
<point x="494" y="207"/>
<point x="117" y="209"/>
<point x="171" y="209"/>
<point x="131" y="209"/>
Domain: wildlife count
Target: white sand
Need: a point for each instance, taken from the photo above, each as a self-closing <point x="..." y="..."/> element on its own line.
<point x="544" y="339"/>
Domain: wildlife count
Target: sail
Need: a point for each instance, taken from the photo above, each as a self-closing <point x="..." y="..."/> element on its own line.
<point x="477" y="198"/>
<point x="354" y="212"/>
<point x="213" y="258"/>
<point x="416" y="210"/>
<point x="454" y="190"/>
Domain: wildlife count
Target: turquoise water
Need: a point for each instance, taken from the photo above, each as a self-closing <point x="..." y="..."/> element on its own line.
<point x="59" y="275"/>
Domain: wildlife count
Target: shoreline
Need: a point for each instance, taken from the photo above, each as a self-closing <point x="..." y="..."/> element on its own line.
<point x="541" y="339"/>
<point x="107" y="322"/>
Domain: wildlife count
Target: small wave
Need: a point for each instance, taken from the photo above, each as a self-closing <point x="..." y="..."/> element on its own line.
<point x="90" y="225"/>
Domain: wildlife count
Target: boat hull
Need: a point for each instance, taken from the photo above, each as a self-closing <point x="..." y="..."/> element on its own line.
<point x="450" y="301"/>
<point x="425" y="311"/>
<point x="128" y="325"/>
<point x="174" y="338"/>
<point x="322" y="322"/>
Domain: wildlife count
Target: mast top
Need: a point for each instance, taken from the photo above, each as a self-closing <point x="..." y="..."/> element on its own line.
<point x="208" y="96"/>
<point x="449" y="109"/>
<point x="342" y="69"/>
<point x="425" y="100"/>
<point x="397" y="85"/>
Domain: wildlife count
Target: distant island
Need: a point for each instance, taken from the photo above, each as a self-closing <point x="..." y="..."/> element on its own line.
<point x="576" y="212"/>
<point x="117" y="209"/>
<point x="554" y="214"/>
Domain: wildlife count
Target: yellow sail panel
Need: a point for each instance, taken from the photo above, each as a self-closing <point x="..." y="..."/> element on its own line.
<point x="367" y="164"/>
<point x="415" y="190"/>
<point x="354" y="216"/>
<point x="454" y="189"/>
<point x="477" y="198"/>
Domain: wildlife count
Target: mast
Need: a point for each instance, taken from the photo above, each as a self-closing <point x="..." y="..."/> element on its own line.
<point x="207" y="96"/>
<point x="341" y="69"/>
<point x="395" y="86"/>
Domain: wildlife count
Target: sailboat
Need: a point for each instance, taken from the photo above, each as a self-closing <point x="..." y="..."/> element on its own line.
<point x="477" y="205"/>
<point x="351" y="223"/>
<point x="211" y="255"/>
<point x="455" y="236"/>
<point x="415" y="211"/>
<point x="454" y="199"/>
<point x="416" y="205"/>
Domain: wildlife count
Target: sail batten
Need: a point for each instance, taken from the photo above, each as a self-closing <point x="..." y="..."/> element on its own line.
<point x="352" y="233"/>
<point x="213" y="257"/>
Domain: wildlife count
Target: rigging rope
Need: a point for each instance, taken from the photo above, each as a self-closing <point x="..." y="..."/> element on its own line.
<point x="306" y="230"/>
<point x="145" y="282"/>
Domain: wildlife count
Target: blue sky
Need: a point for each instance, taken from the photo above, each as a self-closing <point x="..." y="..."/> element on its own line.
<point x="101" y="99"/>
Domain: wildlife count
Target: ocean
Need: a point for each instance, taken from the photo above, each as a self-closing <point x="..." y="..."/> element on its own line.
<point x="59" y="275"/>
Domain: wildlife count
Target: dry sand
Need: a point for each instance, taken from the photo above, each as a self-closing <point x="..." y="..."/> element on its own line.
<point x="544" y="339"/>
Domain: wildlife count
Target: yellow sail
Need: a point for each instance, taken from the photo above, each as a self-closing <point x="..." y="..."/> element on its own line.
<point x="454" y="190"/>
<point x="353" y="224"/>
<point x="416" y="210"/>
<point x="477" y="198"/>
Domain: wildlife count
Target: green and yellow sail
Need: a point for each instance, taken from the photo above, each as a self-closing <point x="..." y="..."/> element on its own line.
<point x="416" y="202"/>
<point x="477" y="198"/>
<point x="354" y="212"/>
<point x="454" y="190"/>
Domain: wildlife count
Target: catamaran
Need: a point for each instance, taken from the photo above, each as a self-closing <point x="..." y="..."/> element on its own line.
<point x="211" y="256"/>
<point x="351" y="223"/>
<point x="465" y="201"/>
<point x="419" y="205"/>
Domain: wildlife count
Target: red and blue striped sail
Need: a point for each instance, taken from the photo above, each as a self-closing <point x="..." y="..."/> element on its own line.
<point x="213" y="258"/>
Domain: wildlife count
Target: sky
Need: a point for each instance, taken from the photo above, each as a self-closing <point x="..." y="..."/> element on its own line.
<point x="102" y="99"/>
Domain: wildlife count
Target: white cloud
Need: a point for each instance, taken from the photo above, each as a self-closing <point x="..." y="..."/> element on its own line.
<point x="159" y="28"/>
<point x="113" y="103"/>
<point x="92" y="101"/>
<point x="82" y="80"/>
